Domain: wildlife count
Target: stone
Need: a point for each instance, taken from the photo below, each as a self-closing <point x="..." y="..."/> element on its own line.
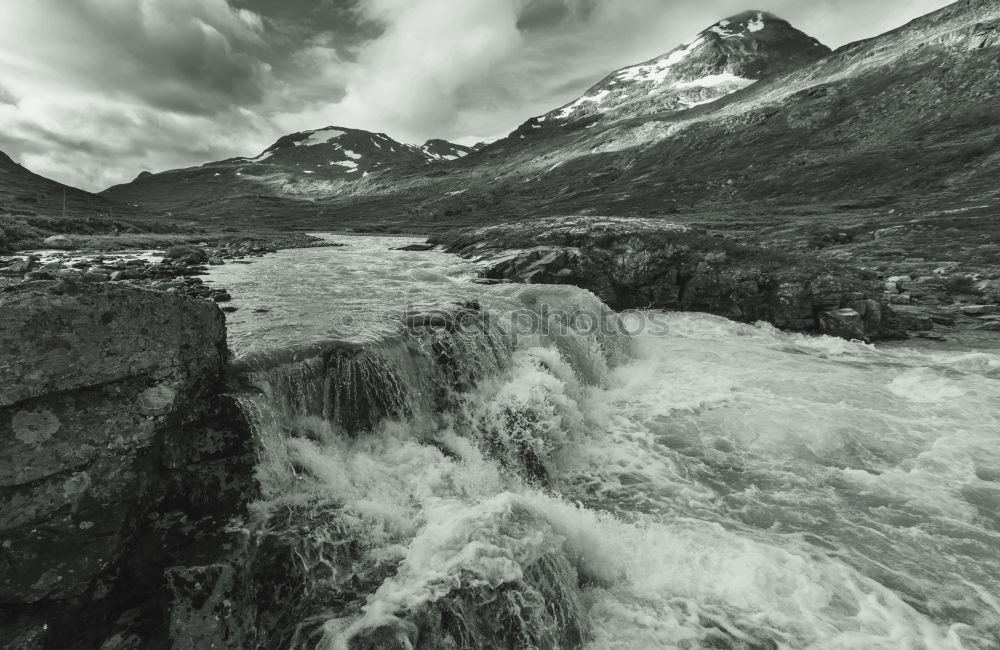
<point x="900" y="299"/>
<point x="20" y="267"/>
<point x="119" y="451"/>
<point x="221" y="297"/>
<point x="538" y="605"/>
<point x="979" y="310"/>
<point x="60" y="242"/>
<point x="157" y="400"/>
<point x="186" y="254"/>
<point x="216" y="261"/>
<point x="845" y="323"/>
<point x="206" y="609"/>
<point x="416" y="247"/>
<point x="913" y="318"/>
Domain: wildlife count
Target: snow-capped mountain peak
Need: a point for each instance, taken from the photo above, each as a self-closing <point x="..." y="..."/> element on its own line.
<point x="727" y="56"/>
<point x="443" y="150"/>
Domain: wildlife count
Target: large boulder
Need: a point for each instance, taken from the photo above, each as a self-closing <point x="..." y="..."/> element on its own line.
<point x="60" y="242"/>
<point x="845" y="323"/>
<point x="118" y="451"/>
<point x="187" y="253"/>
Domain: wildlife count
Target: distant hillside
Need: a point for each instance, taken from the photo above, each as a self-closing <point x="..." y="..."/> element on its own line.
<point x="751" y="119"/>
<point x="33" y="207"/>
<point x="289" y="175"/>
<point x="25" y="193"/>
<point x="906" y="121"/>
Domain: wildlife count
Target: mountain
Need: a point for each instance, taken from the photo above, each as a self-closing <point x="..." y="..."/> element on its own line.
<point x="901" y="124"/>
<point x="728" y="56"/>
<point x="298" y="167"/>
<point x="444" y="150"/>
<point x="26" y="194"/>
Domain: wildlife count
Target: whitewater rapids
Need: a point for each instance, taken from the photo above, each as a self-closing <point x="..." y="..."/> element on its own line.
<point x="698" y="484"/>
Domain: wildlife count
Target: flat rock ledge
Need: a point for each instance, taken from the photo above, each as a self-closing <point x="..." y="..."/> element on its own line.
<point x="649" y="264"/>
<point x="121" y="460"/>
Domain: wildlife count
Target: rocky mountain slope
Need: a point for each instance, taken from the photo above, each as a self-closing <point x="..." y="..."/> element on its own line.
<point x="900" y="126"/>
<point x="25" y="193"/>
<point x="300" y="166"/>
<point x="728" y="56"/>
<point x="33" y="208"/>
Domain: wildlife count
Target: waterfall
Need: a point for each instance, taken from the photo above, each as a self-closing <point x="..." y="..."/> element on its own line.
<point x="369" y="454"/>
<point x="517" y="466"/>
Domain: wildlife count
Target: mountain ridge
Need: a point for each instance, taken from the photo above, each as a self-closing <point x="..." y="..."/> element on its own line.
<point x="903" y="119"/>
<point x="731" y="54"/>
<point x="299" y="165"/>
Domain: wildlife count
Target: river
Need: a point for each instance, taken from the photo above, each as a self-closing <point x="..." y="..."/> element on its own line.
<point x="669" y="481"/>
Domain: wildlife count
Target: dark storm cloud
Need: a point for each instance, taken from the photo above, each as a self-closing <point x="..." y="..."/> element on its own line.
<point x="541" y="15"/>
<point x="94" y="91"/>
<point x="7" y="97"/>
<point x="185" y="55"/>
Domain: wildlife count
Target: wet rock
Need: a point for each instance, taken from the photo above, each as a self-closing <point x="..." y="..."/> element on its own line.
<point x="416" y="248"/>
<point x="845" y="323"/>
<point x="221" y="297"/>
<point x="536" y="604"/>
<point x="979" y="310"/>
<point x="216" y="261"/>
<point x="639" y="264"/>
<point x="186" y="254"/>
<point x="19" y="267"/>
<point x="118" y="452"/>
<point x="60" y="242"/>
<point x="205" y="609"/>
<point x="918" y="319"/>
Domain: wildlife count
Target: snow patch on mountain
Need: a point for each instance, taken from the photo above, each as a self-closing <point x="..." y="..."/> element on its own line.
<point x="716" y="80"/>
<point x="595" y="99"/>
<point x="320" y="137"/>
<point x="658" y="71"/>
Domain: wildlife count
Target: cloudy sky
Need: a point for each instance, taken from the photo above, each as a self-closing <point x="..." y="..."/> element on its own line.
<point x="94" y="91"/>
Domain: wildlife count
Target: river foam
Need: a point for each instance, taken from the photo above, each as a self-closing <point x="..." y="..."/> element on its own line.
<point x="709" y="484"/>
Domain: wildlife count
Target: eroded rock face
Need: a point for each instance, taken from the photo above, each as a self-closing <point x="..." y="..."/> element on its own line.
<point x="119" y="455"/>
<point x="639" y="264"/>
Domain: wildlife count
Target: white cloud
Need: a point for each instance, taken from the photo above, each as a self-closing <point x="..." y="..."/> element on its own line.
<point x="411" y="80"/>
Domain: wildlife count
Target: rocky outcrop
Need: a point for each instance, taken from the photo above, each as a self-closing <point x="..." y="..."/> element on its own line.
<point x="639" y="264"/>
<point x="120" y="456"/>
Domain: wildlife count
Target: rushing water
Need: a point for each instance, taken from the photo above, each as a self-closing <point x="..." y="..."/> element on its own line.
<point x="696" y="484"/>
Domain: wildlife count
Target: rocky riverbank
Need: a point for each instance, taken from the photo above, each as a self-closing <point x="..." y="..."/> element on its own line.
<point x="647" y="263"/>
<point x="173" y="270"/>
<point x="121" y="459"/>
